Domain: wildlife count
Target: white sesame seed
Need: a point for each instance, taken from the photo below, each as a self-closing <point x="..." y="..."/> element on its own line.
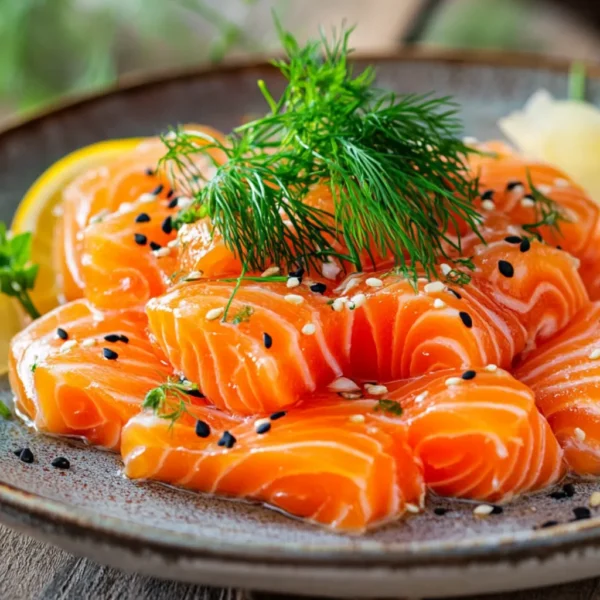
<point x="527" y="203"/>
<point x="270" y="271"/>
<point x="194" y="275"/>
<point x="162" y="252"/>
<point x="453" y="381"/>
<point x="338" y="304"/>
<point x="421" y="396"/>
<point x="544" y="189"/>
<point x="88" y="343"/>
<point x="293" y="282"/>
<point x="483" y="510"/>
<point x="488" y="205"/>
<point x="517" y="190"/>
<point x="579" y="434"/>
<point x="372" y="431"/>
<point x="293" y="299"/>
<point x="16" y="286"/>
<point x="376" y="390"/>
<point x="595" y="500"/>
<point x="343" y="384"/>
<point x="491" y="368"/>
<point x="350" y="395"/>
<point x="68" y="345"/>
<point x="438" y="303"/>
<point x="184" y="202"/>
<point x="173" y="243"/>
<point x="413" y="508"/>
<point x="434" y="286"/>
<point x="445" y="268"/>
<point x="358" y="300"/>
<point x="351" y="283"/>
<point x="357" y="418"/>
<point x="533" y="508"/>
<point x="330" y="270"/>
<point x="214" y="313"/>
<point x="101" y="215"/>
<point x="594" y="354"/>
<point x="561" y="182"/>
<point x="125" y="207"/>
<point x="309" y="329"/>
<point x="374" y="282"/>
<point x="259" y="422"/>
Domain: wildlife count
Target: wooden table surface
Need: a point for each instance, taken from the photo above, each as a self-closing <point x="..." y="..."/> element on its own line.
<point x="30" y="570"/>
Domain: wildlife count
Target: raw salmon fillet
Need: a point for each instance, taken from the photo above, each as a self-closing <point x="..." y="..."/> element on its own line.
<point x="336" y="463"/>
<point x="66" y="384"/>
<point x="564" y="373"/>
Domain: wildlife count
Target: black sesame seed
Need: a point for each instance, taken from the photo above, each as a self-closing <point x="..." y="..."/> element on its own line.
<point x="155" y="246"/>
<point x="454" y="293"/>
<point x="60" y="462"/>
<point x="511" y="185"/>
<point x="140" y="239"/>
<point x="439" y="511"/>
<point x="124" y="339"/>
<point x="267" y="340"/>
<point x="227" y="440"/>
<point x="466" y="319"/>
<point x="497" y="510"/>
<point x="559" y="247"/>
<point x="548" y="524"/>
<point x="277" y="415"/>
<point x="62" y="334"/>
<point x="319" y="288"/>
<point x="26" y="456"/>
<point x="195" y="393"/>
<point x="528" y="197"/>
<point x="263" y="428"/>
<point x="506" y="268"/>
<point x="142" y="218"/>
<point x="202" y="429"/>
<point x="299" y="272"/>
<point x="109" y="354"/>
<point x="558" y="495"/>
<point x="488" y="195"/>
<point x="18" y="451"/>
<point x="167" y="225"/>
<point x="513" y="239"/>
<point x="149" y="171"/>
<point x="170" y="193"/>
<point x="525" y="245"/>
<point x="173" y="203"/>
<point x="569" y="489"/>
<point x="113" y="338"/>
<point x="158" y="189"/>
<point x="468" y="375"/>
<point x="582" y="512"/>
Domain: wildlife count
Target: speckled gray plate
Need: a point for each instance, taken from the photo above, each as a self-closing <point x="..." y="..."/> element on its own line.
<point x="93" y="510"/>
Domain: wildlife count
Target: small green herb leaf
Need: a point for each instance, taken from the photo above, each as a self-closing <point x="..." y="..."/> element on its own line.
<point x="242" y="315"/>
<point x="389" y="407"/>
<point x="171" y="399"/>
<point x="5" y="412"/>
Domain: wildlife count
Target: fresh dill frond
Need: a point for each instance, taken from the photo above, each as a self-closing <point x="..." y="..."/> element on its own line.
<point x="547" y="214"/>
<point x="390" y="407"/>
<point x="171" y="399"/>
<point x="242" y="315"/>
<point x="395" y="166"/>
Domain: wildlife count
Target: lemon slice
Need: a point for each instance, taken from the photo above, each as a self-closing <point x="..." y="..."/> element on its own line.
<point x="38" y="213"/>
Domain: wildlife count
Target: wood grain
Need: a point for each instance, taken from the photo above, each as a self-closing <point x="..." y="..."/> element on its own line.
<point x="30" y="570"/>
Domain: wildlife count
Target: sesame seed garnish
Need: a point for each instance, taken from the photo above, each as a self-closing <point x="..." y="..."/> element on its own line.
<point x="581" y="513"/>
<point x="505" y="268"/>
<point x="468" y="375"/>
<point x="318" y="288"/>
<point x="338" y="304"/>
<point x="548" y="524"/>
<point x="412" y="508"/>
<point x="142" y="218"/>
<point x="579" y="434"/>
<point x="227" y="440"/>
<point x="149" y="171"/>
<point x="195" y="393"/>
<point x="351" y="283"/>
<point x="262" y="426"/>
<point x="184" y="202"/>
<point x="173" y="203"/>
<point x="452" y="381"/>
<point x="343" y="384"/>
<point x="270" y="271"/>
<point x="62" y="334"/>
<point x="99" y="216"/>
<point x="525" y="245"/>
<point x="350" y="395"/>
<point x="194" y="275"/>
<point x="487" y="195"/>
<point x="278" y="415"/>
<point x="202" y="429"/>
<point x="358" y="300"/>
<point x="140" y="239"/>
<point x="439" y="511"/>
<point x="513" y="239"/>
<point x="309" y="329"/>
<point x="146" y="198"/>
<point x="528" y="201"/>
<point x="167" y="225"/>
<point x="293" y="298"/>
<point x="483" y="510"/>
<point x="514" y="186"/>
<point x="170" y="193"/>
<point x="466" y="319"/>
<point x="595" y="500"/>
<point x="438" y="303"/>
<point x="173" y="243"/>
<point x="68" y="346"/>
<point x="154" y="246"/>
<point x="109" y="354"/>
<point x="112" y="338"/>
<point x="434" y="286"/>
<point x="124" y="339"/>
<point x="60" y="462"/>
<point x="88" y="343"/>
<point x="497" y="510"/>
<point x="544" y="189"/>
<point x="488" y="205"/>
<point x="569" y="490"/>
<point x="293" y="282"/>
<point x="214" y="313"/>
<point x="162" y="252"/>
<point x="26" y="456"/>
<point x="491" y="368"/>
<point x="561" y="182"/>
<point x="559" y="495"/>
<point x="445" y="268"/>
<point x="158" y="189"/>
<point x="454" y="293"/>
<point x="421" y="396"/>
<point x="376" y="390"/>
<point x="374" y="282"/>
<point x="267" y="340"/>
<point x="357" y="418"/>
<point x="125" y="207"/>
<point x="594" y="354"/>
<point x="299" y="273"/>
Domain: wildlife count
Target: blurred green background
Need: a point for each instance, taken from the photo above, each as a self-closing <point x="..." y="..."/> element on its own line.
<point x="53" y="48"/>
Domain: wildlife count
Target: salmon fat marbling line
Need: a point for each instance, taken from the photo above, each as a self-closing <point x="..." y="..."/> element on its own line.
<point x="337" y="397"/>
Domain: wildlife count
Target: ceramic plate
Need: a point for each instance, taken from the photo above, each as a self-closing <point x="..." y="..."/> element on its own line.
<point x="94" y="511"/>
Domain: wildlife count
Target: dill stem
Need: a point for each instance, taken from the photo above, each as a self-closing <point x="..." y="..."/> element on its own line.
<point x="27" y="303"/>
<point x="234" y="292"/>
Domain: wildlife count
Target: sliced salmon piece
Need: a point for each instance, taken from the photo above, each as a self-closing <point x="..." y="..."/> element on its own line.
<point x="66" y="385"/>
<point x="127" y="257"/>
<point x="479" y="434"/>
<point x="336" y="463"/>
<point x="564" y="373"/>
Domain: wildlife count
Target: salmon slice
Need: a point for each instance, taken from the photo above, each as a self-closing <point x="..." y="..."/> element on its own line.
<point x="128" y="257"/>
<point x="478" y="434"/>
<point x="564" y="373"/>
<point x="336" y="463"/>
<point x="69" y="380"/>
<point x="504" y="180"/>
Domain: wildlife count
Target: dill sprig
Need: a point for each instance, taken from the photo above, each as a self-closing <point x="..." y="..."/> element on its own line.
<point x="547" y="213"/>
<point x="391" y="407"/>
<point x="171" y="399"/>
<point x="395" y="166"/>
